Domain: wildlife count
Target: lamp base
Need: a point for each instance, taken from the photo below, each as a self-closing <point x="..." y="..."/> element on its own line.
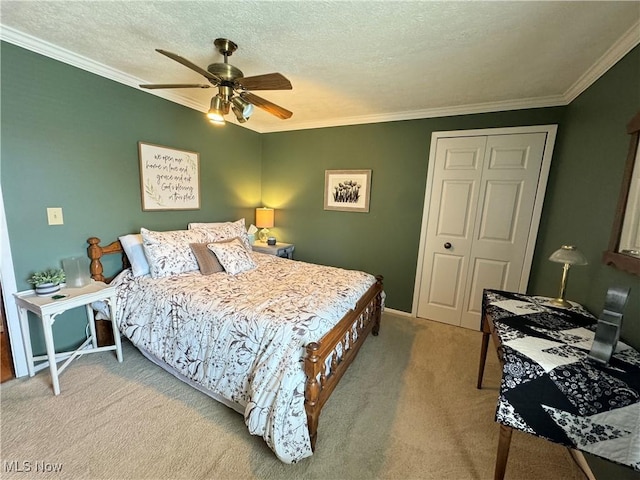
<point x="560" y="302"/>
<point x="263" y="235"/>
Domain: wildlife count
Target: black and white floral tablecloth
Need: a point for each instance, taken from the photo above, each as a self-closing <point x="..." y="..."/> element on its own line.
<point x="551" y="389"/>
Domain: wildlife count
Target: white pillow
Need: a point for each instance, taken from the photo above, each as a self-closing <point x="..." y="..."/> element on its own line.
<point x="132" y="246"/>
<point x="233" y="256"/>
<point x="221" y="231"/>
<point x="169" y="253"/>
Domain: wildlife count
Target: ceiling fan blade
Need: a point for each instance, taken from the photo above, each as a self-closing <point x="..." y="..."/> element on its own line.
<point x="174" y="85"/>
<point x="268" y="81"/>
<point x="190" y="65"/>
<point x="266" y="105"/>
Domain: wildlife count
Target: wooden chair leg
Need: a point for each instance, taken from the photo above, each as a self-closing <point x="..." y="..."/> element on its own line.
<point x="504" y="442"/>
<point x="483" y="358"/>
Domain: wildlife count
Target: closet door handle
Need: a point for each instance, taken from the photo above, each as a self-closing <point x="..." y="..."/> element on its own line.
<point x="447" y="245"/>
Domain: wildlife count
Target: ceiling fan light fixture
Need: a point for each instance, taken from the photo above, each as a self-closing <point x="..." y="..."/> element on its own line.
<point x="238" y="113"/>
<point x="216" y="112"/>
<point x="215" y="116"/>
<point x="244" y="107"/>
<point x="231" y="81"/>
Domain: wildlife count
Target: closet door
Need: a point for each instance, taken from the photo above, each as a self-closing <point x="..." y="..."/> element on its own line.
<point x="479" y="222"/>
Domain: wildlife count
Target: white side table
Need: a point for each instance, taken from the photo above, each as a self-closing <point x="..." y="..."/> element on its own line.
<point x="284" y="250"/>
<point x="47" y="309"/>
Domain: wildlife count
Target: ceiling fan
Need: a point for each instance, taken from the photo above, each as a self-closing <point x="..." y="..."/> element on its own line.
<point x="233" y="87"/>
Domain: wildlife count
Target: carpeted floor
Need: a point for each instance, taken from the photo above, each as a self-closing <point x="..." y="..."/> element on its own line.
<point x="406" y="409"/>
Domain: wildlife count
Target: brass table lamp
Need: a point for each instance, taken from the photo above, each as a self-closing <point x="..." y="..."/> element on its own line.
<point x="567" y="255"/>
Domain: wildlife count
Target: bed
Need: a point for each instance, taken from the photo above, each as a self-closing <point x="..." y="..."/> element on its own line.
<point x="271" y="341"/>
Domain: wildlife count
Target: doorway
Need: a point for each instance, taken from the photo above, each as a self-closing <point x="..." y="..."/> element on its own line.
<point x="8" y="288"/>
<point x="6" y="359"/>
<point x="484" y="196"/>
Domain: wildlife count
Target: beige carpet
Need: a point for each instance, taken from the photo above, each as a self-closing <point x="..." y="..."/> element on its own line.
<point x="406" y="409"/>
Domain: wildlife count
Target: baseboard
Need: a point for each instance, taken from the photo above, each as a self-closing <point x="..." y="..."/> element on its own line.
<point x="399" y="313"/>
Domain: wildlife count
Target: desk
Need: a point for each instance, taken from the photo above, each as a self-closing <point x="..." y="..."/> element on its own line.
<point x="550" y="389"/>
<point x="47" y="309"/>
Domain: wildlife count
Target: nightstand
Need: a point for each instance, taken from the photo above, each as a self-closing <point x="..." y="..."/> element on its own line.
<point x="46" y="308"/>
<point x="284" y="250"/>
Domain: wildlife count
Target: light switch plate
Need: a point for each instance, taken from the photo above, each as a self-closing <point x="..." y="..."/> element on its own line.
<point x="54" y="216"/>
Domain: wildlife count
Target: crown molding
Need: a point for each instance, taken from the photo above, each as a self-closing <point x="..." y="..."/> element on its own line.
<point x="623" y="46"/>
<point x="470" y="109"/>
<point x="47" y="49"/>
<point x="619" y="49"/>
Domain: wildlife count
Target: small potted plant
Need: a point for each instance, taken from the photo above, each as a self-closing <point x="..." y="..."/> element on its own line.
<point x="47" y="281"/>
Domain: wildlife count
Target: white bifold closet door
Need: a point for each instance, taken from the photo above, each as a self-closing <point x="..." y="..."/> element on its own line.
<point x="479" y="222"/>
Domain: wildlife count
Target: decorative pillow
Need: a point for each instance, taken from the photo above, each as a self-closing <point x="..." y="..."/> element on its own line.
<point x="132" y="245"/>
<point x="233" y="256"/>
<point x="168" y="253"/>
<point x="207" y="260"/>
<point x="218" y="232"/>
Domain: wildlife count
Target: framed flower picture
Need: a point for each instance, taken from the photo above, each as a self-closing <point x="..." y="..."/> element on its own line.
<point x="347" y="190"/>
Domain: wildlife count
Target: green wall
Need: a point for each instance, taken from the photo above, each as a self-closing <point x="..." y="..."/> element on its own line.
<point x="70" y="140"/>
<point x="386" y="240"/>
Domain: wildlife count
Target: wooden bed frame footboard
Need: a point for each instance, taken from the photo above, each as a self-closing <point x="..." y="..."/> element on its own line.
<point x="328" y="359"/>
<point x="325" y="361"/>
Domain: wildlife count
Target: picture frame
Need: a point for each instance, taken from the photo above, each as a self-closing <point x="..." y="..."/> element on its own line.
<point x="347" y="190"/>
<point x="169" y="178"/>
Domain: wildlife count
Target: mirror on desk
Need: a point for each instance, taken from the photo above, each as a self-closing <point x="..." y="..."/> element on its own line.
<point x="624" y="246"/>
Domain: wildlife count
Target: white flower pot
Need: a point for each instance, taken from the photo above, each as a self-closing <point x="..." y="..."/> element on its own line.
<point x="46" y="289"/>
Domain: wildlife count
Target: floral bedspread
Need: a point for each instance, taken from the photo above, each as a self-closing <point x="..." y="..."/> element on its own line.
<point x="242" y="336"/>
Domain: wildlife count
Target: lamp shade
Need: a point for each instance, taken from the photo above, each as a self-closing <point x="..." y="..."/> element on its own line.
<point x="264" y="217"/>
<point x="570" y="255"/>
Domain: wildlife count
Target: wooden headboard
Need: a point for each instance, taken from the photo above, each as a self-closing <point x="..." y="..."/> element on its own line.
<point x="95" y="252"/>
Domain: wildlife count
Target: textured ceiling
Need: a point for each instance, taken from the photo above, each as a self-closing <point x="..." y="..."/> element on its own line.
<point x="349" y="62"/>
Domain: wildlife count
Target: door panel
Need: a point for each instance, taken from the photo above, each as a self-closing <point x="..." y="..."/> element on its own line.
<point x="446" y="289"/>
<point x="508" y="192"/>
<point x="500" y="211"/>
<point x="455" y="206"/>
<point x="486" y="273"/>
<point x="457" y="173"/>
<point x="465" y="156"/>
<point x="507" y="156"/>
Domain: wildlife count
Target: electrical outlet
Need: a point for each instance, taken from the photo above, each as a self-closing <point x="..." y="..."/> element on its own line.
<point x="54" y="215"/>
